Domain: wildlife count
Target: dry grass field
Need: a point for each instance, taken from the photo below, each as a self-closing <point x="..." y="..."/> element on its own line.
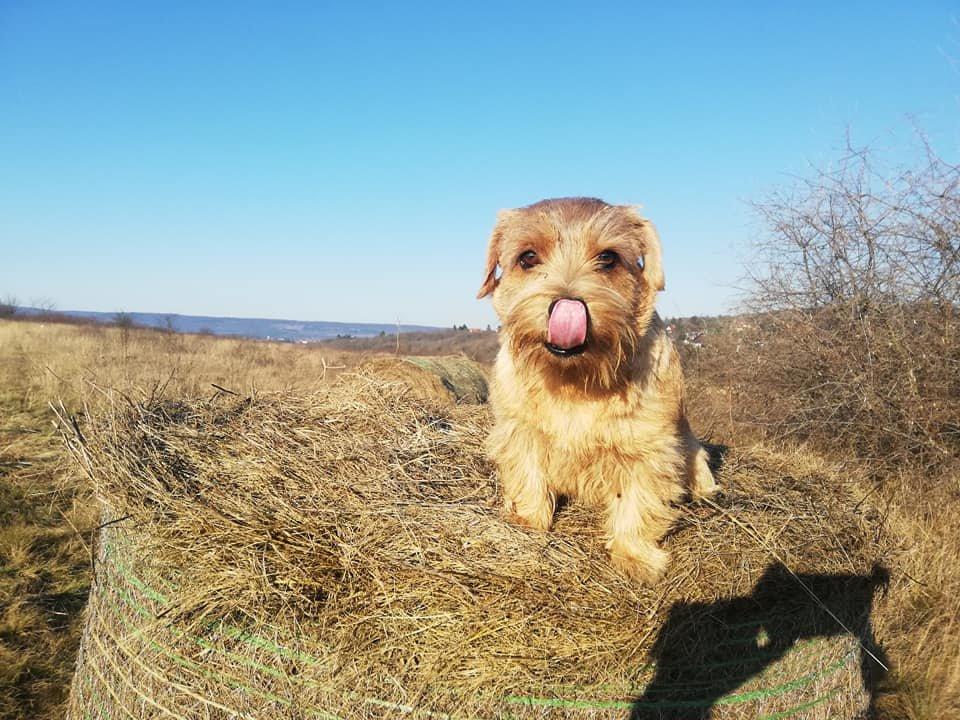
<point x="47" y="515"/>
<point x="46" y="512"/>
<point x="479" y="345"/>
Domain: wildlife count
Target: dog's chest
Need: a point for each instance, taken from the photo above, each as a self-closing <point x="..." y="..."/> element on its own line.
<point x="574" y="424"/>
<point x="583" y="427"/>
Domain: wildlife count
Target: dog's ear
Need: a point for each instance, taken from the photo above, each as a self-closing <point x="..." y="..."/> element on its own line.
<point x="652" y="259"/>
<point x="649" y="250"/>
<point x="490" y="279"/>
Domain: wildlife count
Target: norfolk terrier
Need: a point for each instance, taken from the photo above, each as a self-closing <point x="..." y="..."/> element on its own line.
<point x="587" y="390"/>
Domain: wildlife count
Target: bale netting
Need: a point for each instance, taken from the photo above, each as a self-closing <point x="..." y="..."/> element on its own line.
<point x="342" y="555"/>
<point x="447" y="378"/>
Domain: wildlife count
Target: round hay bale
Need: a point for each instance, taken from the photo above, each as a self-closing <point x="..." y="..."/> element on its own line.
<point x="447" y="378"/>
<point x="342" y="556"/>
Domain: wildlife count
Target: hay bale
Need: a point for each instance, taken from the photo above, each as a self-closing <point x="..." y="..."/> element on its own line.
<point x="447" y="378"/>
<point x="341" y="555"/>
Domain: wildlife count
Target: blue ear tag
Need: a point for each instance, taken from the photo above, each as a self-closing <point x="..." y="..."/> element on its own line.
<point x="640" y="262"/>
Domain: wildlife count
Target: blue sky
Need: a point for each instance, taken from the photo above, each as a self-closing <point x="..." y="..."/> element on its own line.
<point x="345" y="161"/>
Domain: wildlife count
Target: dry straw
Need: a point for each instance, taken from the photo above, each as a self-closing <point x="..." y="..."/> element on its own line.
<point x="342" y="555"/>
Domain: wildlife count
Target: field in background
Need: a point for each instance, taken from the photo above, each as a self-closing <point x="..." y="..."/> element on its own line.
<point x="479" y="345"/>
<point x="46" y="515"/>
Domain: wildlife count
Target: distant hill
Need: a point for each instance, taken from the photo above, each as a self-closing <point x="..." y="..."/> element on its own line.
<point x="258" y="328"/>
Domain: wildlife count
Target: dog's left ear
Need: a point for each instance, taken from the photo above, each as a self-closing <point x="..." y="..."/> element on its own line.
<point x="652" y="259"/>
<point x="491" y="280"/>
<point x="649" y="250"/>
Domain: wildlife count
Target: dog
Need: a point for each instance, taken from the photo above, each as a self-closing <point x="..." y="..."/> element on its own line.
<point x="587" y="391"/>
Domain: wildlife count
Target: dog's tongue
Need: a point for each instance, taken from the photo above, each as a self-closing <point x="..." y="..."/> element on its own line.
<point x="568" y="324"/>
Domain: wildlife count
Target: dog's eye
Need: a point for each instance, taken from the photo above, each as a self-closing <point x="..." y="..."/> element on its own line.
<point x="607" y="260"/>
<point x="528" y="259"/>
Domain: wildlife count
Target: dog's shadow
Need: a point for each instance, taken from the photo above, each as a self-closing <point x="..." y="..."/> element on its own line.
<point x="707" y="650"/>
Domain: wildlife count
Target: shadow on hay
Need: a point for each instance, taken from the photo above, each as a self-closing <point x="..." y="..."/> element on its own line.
<point x="745" y="635"/>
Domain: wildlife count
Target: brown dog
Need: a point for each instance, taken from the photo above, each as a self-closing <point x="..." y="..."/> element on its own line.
<point x="587" y="390"/>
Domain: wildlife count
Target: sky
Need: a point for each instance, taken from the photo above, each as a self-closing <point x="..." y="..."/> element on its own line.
<point x="345" y="161"/>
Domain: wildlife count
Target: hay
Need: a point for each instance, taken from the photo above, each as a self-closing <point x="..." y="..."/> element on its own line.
<point x="447" y="378"/>
<point x="341" y="555"/>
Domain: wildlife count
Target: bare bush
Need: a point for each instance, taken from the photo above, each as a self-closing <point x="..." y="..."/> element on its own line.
<point x="123" y="320"/>
<point x="854" y="339"/>
<point x="44" y="305"/>
<point x="8" y="307"/>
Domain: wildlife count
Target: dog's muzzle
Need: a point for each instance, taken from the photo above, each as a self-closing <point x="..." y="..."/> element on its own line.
<point x="567" y="327"/>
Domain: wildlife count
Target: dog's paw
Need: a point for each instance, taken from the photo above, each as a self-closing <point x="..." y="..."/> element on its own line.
<point x="540" y="518"/>
<point x="704" y="485"/>
<point x="646" y="567"/>
<point x="702" y="491"/>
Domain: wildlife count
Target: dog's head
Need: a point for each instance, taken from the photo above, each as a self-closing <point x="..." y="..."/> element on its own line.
<point x="577" y="286"/>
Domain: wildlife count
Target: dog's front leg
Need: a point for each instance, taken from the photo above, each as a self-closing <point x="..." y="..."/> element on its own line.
<point x="519" y="456"/>
<point x="700" y="481"/>
<point x="637" y="518"/>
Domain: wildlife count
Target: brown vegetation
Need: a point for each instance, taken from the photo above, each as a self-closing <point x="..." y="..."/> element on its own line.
<point x="476" y="345"/>
<point x="860" y="293"/>
<point x="852" y="350"/>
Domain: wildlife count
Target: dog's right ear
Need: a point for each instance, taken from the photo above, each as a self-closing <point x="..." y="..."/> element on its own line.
<point x="491" y="280"/>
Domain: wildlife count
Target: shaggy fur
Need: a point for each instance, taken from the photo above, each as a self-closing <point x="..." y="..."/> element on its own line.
<point x="606" y="425"/>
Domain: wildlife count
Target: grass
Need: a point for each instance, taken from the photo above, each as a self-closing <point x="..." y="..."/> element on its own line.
<point x="921" y="614"/>
<point x="44" y="566"/>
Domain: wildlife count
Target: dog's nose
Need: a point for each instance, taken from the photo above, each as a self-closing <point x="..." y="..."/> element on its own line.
<point x="567" y="323"/>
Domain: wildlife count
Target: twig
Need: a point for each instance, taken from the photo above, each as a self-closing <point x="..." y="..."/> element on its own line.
<point x="108" y="523"/>
<point x="323" y="362"/>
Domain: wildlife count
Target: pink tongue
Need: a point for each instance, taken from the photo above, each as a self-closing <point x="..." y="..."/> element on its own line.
<point x="568" y="324"/>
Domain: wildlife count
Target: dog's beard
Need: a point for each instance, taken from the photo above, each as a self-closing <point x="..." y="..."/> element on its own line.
<point x="613" y="335"/>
